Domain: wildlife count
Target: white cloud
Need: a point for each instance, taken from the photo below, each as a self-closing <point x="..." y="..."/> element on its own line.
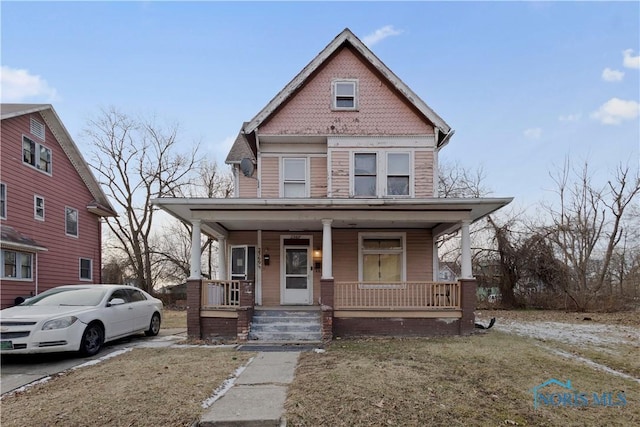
<point x="570" y="117"/>
<point x="615" y="111"/>
<point x="380" y="34"/>
<point x="630" y="61"/>
<point x="18" y="85"/>
<point x="609" y="75"/>
<point x="532" y="133"/>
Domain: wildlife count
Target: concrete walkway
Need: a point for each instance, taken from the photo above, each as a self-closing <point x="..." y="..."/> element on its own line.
<point x="258" y="395"/>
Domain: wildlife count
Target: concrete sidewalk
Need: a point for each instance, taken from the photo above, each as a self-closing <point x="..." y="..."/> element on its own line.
<point x="258" y="395"/>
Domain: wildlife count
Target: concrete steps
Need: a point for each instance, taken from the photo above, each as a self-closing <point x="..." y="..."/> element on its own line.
<point x="286" y="325"/>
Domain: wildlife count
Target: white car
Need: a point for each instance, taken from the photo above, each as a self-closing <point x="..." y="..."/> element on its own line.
<point x="78" y="318"/>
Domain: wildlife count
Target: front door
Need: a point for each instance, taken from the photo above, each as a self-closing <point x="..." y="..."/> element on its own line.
<point x="296" y="280"/>
<point x="243" y="267"/>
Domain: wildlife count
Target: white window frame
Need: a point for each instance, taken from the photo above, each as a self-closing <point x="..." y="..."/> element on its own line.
<point x="3" y="200"/>
<point x="18" y="266"/>
<point x="361" y="252"/>
<point x="37" y="128"/>
<point x="37" y="149"/>
<point x="283" y="182"/>
<point x="86" y="279"/>
<point x="382" y="166"/>
<point x="66" y="224"/>
<point x="35" y="207"/>
<point x="334" y="94"/>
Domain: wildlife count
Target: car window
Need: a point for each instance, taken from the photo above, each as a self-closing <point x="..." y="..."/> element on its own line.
<point x="71" y="297"/>
<point x="136" y="295"/>
<point x="120" y="293"/>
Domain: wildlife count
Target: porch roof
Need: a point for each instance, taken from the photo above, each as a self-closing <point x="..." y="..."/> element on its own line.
<point x="220" y="216"/>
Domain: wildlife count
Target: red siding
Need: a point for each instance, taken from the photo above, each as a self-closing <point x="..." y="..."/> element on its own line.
<point x="60" y="263"/>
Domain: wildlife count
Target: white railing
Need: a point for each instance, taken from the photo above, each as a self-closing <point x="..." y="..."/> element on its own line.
<point x="396" y="296"/>
<point x="221" y="293"/>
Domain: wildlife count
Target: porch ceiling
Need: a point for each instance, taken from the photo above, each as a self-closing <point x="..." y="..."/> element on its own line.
<point x="219" y="216"/>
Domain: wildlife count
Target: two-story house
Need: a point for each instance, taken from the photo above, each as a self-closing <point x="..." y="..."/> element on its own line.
<point x="336" y="213"/>
<point x="51" y="206"/>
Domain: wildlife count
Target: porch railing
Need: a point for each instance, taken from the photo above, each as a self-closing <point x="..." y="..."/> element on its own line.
<point x="396" y="296"/>
<point x="221" y="294"/>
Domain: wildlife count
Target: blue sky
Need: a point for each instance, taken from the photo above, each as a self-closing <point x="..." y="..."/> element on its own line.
<point x="524" y="84"/>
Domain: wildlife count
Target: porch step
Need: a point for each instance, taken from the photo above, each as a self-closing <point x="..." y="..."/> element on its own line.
<point x="288" y="325"/>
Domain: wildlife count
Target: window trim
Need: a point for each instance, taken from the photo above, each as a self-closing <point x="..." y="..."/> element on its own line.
<point x="66" y="224"/>
<point x="409" y="175"/>
<point x="376" y="174"/>
<point x="3" y="200"/>
<point x="283" y="161"/>
<point x="403" y="252"/>
<point x="382" y="167"/>
<point x="37" y="149"/>
<point x="18" y="265"/>
<point x="334" y="94"/>
<point x="86" y="279"/>
<point x="35" y="208"/>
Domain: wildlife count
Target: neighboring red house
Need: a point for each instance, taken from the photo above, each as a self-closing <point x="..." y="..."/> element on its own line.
<point x="336" y="213"/>
<point x="51" y="205"/>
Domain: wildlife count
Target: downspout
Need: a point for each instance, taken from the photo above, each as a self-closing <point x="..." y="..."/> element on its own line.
<point x="36" y="272"/>
<point x="258" y="164"/>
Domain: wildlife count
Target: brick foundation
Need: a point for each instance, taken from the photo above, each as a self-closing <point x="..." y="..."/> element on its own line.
<point x="406" y="327"/>
<point x="194" y="295"/>
<point x="326" y="303"/>
<point x="219" y="328"/>
<point x="468" y="299"/>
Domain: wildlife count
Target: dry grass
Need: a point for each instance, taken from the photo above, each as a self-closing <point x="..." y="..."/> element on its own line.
<point x="482" y="380"/>
<point x="145" y="387"/>
<point x="174" y="319"/>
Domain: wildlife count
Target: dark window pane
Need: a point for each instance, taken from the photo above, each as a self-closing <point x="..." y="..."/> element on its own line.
<point x="398" y="185"/>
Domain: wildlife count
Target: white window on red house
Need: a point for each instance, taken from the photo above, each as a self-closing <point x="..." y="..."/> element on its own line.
<point x="3" y="200"/>
<point x="365" y="166"/>
<point x="17" y="265"/>
<point x="71" y="221"/>
<point x="85" y="268"/>
<point x="36" y="155"/>
<point x="294" y="175"/>
<point x="38" y="207"/>
<point x="345" y="94"/>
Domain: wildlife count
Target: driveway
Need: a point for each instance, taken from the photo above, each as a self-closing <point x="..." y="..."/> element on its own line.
<point x="20" y="370"/>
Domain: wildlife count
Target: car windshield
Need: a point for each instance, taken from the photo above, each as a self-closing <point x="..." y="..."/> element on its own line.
<point x="72" y="297"/>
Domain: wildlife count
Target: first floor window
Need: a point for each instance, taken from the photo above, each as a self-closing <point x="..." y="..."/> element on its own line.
<point x="17" y="265"/>
<point x="294" y="177"/>
<point x="365" y="174"/>
<point x="382" y="259"/>
<point x="85" y="269"/>
<point x="3" y="200"/>
<point x="71" y="222"/>
<point x="38" y="207"/>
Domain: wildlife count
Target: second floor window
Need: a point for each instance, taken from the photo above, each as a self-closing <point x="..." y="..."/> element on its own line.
<point x="398" y="173"/>
<point x="36" y="155"/>
<point x="38" y="207"/>
<point x="365" y="174"/>
<point x="3" y="200"/>
<point x="294" y="175"/>
<point x="71" y="221"/>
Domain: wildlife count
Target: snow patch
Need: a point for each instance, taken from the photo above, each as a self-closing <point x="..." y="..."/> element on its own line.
<point x="25" y="387"/>
<point x="102" y="359"/>
<point x="592" y="364"/>
<point x="225" y="387"/>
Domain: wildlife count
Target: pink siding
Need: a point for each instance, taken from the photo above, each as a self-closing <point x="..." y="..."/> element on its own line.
<point x="381" y="110"/>
<point x="247" y="186"/>
<point x="423" y="167"/>
<point x="319" y="177"/>
<point x="339" y="174"/>
<point x="60" y="263"/>
<point x="270" y="177"/>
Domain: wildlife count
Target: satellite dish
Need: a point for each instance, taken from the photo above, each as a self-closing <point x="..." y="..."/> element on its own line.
<point x="246" y="166"/>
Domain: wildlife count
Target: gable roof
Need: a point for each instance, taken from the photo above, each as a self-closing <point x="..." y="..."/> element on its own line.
<point x="443" y="130"/>
<point x="100" y="205"/>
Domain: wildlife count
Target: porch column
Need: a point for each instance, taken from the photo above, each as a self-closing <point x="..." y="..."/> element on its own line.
<point x="466" y="251"/>
<point x="222" y="258"/>
<point x="327" y="256"/>
<point x="195" y="250"/>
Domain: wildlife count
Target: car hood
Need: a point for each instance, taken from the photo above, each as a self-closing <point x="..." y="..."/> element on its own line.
<point x="40" y="312"/>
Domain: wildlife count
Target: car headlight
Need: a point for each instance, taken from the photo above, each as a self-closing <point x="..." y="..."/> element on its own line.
<point x="62" y="322"/>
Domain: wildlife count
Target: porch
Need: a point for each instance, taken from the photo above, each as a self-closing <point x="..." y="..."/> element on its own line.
<point x="225" y="309"/>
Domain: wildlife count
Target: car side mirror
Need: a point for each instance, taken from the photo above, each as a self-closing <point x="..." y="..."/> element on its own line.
<point x="115" y="301"/>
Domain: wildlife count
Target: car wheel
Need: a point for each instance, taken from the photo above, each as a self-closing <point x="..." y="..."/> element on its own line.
<point x="154" y="326"/>
<point x="92" y="340"/>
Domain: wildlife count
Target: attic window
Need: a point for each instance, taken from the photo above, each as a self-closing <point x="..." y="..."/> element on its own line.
<point x="345" y="94"/>
<point x="37" y="129"/>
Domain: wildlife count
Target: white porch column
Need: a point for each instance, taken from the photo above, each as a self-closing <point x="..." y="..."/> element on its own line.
<point x="222" y="258"/>
<point x="195" y="250"/>
<point x="327" y="256"/>
<point x="466" y="251"/>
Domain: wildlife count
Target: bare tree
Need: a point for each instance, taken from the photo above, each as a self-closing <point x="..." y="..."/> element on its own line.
<point x="456" y="181"/>
<point x="136" y="160"/>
